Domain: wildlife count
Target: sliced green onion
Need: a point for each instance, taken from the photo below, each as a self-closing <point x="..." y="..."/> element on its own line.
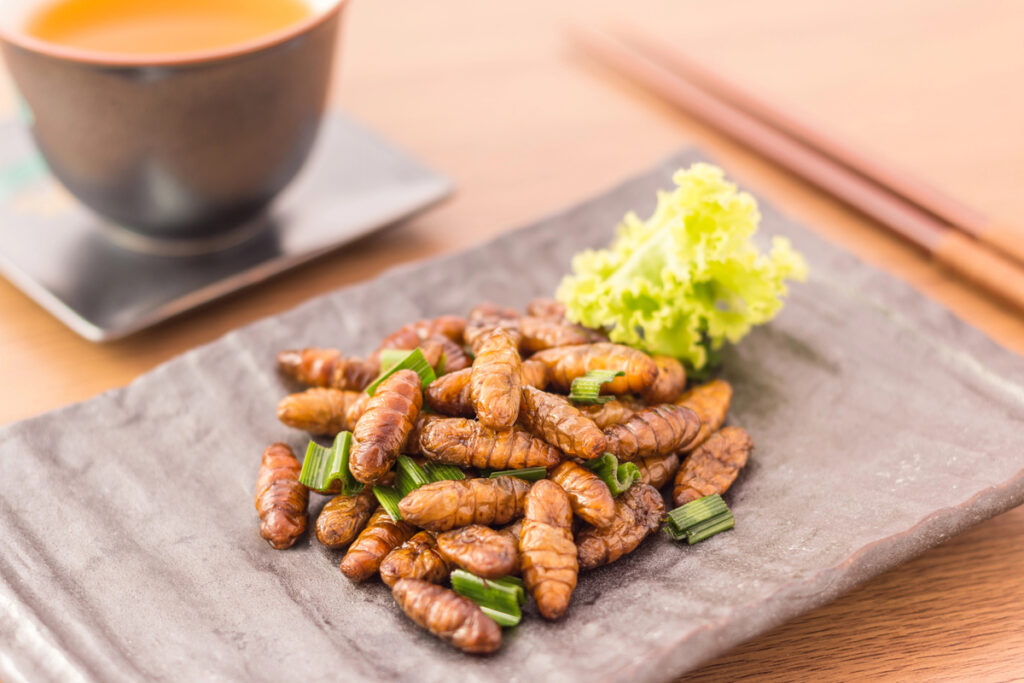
<point x="391" y="357"/>
<point x="587" y="389"/>
<point x="699" y="519"/>
<point x="527" y="473"/>
<point x="438" y="472"/>
<point x="439" y="370"/>
<point x="500" y="599"/>
<point x="323" y="466"/>
<point x="619" y="477"/>
<point x="388" y="498"/>
<point x="413" y="360"/>
<point x="409" y="476"/>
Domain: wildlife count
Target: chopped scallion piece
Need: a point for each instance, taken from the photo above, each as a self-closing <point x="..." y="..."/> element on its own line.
<point x="409" y="476"/>
<point x="619" y="477"/>
<point x="413" y="360"/>
<point x="323" y="466"/>
<point x="390" y="357"/>
<point x="388" y="498"/>
<point x="500" y="599"/>
<point x="527" y="473"/>
<point x="699" y="519"/>
<point x="587" y="389"/>
<point x="438" y="472"/>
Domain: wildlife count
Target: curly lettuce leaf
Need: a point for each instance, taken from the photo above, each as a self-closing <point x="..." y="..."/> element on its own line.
<point x="687" y="279"/>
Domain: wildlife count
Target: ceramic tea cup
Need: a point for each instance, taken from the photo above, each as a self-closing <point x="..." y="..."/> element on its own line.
<point x="177" y="146"/>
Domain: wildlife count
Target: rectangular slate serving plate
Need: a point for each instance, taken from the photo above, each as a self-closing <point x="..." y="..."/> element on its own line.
<point x="129" y="541"/>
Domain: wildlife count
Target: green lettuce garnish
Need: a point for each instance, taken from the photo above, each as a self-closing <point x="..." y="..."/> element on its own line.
<point x="688" y="278"/>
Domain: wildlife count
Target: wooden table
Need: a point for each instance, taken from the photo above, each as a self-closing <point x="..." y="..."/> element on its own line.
<point x="492" y="94"/>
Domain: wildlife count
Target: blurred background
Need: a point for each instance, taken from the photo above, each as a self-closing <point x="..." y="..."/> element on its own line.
<point x="495" y="96"/>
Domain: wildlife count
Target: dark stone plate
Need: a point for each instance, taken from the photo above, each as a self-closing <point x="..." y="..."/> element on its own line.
<point x="129" y="542"/>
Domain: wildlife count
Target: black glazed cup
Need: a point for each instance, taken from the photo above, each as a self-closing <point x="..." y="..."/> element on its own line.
<point x="183" y="146"/>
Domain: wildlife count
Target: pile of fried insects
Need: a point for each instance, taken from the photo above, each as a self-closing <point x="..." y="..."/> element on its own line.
<point x="501" y="454"/>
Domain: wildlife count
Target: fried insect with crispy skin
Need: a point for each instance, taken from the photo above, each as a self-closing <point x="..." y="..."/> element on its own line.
<point x="657" y="470"/>
<point x="444" y="355"/>
<point x="327" y="368"/>
<point x="444" y="505"/>
<point x="589" y="496"/>
<point x="467" y="443"/>
<point x="481" y="550"/>
<point x="485" y="319"/>
<point x="409" y="336"/>
<point x="670" y="382"/>
<point x="566" y="363"/>
<point x="449" y="616"/>
<point x="281" y="499"/>
<point x="449" y="394"/>
<point x="660" y="430"/>
<point x="638" y="512"/>
<point x="417" y="558"/>
<point x="538" y="334"/>
<point x="711" y="403"/>
<point x="546" y="549"/>
<point x="549" y="309"/>
<point x="514" y="531"/>
<point x="343" y="517"/>
<point x="558" y="422"/>
<point x="614" y="412"/>
<point x="412" y="444"/>
<point x="714" y="466"/>
<point x="381" y="432"/>
<point x="495" y="381"/>
<point x="323" y="410"/>
<point x="381" y="535"/>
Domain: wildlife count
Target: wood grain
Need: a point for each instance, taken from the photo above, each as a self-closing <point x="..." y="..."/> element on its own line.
<point x="491" y="94"/>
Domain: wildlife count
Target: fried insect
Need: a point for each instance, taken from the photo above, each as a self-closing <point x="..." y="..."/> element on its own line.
<point x="450" y="394"/>
<point x="280" y="499"/>
<point x="409" y="336"/>
<point x="382" y="430"/>
<point x="381" y="535"/>
<point x="558" y="422"/>
<point x="343" y="517"/>
<point x="323" y="410"/>
<point x="566" y="363"/>
<point x="449" y="616"/>
<point x="657" y="470"/>
<point x="481" y="550"/>
<point x="327" y="368"/>
<point x="546" y="549"/>
<point x="538" y="334"/>
<point x="660" y="430"/>
<point x="496" y="380"/>
<point x="444" y="505"/>
<point x="468" y="443"/>
<point x="412" y="444"/>
<point x="485" y="319"/>
<point x="549" y="309"/>
<point x="614" y="412"/>
<point x="589" y="496"/>
<point x="670" y="382"/>
<point x="514" y="531"/>
<point x="711" y="403"/>
<point x="714" y="466"/>
<point x="444" y="355"/>
<point x="417" y="558"/>
<point x="638" y="512"/>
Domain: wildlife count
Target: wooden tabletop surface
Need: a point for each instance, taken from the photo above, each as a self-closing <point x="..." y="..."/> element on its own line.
<point x="492" y="94"/>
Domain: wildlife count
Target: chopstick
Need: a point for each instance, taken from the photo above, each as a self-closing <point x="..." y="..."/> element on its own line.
<point x="954" y="212"/>
<point x="948" y="246"/>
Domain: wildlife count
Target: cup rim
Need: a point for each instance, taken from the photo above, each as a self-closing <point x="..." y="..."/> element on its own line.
<point x="100" y="58"/>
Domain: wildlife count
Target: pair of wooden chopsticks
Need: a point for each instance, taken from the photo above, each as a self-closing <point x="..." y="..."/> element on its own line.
<point x="959" y="237"/>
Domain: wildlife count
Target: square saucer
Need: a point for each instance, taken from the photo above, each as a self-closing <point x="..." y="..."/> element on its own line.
<point x="105" y="283"/>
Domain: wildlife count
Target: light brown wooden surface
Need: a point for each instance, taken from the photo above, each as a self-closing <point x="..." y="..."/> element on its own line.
<point x="491" y="94"/>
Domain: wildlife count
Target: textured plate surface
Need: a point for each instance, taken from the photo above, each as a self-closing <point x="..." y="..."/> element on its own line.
<point x="85" y="274"/>
<point x="130" y="548"/>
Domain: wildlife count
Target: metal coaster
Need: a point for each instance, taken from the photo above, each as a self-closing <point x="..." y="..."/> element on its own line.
<point x="105" y="282"/>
